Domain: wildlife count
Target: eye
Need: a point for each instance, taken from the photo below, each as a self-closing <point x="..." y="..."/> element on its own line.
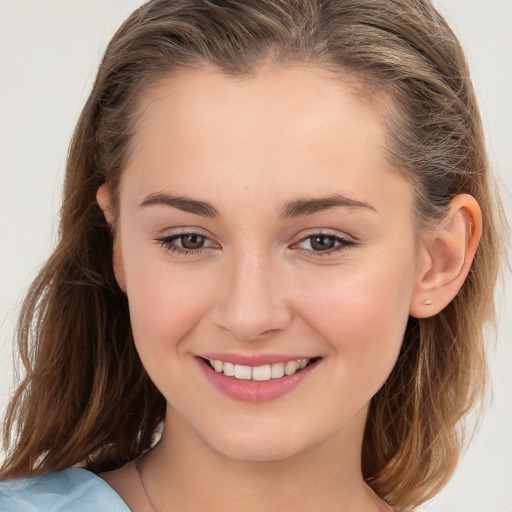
<point x="191" y="241"/>
<point x="186" y="243"/>
<point x="321" y="244"/>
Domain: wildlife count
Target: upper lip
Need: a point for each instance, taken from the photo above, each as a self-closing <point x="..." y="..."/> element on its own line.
<point x="254" y="359"/>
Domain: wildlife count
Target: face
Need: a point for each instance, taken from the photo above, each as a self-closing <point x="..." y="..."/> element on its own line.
<point x="260" y="225"/>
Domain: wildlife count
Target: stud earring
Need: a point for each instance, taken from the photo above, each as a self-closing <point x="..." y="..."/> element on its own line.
<point x="426" y="302"/>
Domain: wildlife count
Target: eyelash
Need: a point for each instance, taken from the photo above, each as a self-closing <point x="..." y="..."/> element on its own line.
<point x="342" y="244"/>
<point x="168" y="244"/>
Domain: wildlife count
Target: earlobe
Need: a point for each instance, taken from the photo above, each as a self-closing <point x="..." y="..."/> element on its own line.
<point x="448" y="252"/>
<point x="104" y="201"/>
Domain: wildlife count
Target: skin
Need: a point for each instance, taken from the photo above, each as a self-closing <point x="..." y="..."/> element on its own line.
<point x="248" y="147"/>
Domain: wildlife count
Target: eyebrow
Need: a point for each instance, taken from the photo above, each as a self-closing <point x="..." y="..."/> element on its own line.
<point x="292" y="209"/>
<point x="181" y="203"/>
<point x="315" y="205"/>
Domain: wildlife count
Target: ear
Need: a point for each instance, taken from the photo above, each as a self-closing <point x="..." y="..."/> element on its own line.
<point x="447" y="254"/>
<point x="103" y="199"/>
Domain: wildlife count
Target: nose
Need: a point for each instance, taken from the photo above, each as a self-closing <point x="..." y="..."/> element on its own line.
<point x="252" y="303"/>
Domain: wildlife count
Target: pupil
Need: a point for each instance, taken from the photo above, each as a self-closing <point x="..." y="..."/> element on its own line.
<point x="192" y="241"/>
<point x="322" y="243"/>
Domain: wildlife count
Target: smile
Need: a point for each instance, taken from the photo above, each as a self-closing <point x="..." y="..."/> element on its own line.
<point x="258" y="373"/>
<point x="256" y="378"/>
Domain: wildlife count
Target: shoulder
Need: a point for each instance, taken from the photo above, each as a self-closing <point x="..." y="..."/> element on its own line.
<point x="60" y="491"/>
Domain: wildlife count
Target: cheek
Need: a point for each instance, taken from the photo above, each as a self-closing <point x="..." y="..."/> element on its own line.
<point x="166" y="303"/>
<point x="361" y="312"/>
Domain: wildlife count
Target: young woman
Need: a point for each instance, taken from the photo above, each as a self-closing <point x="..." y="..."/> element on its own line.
<point x="278" y="246"/>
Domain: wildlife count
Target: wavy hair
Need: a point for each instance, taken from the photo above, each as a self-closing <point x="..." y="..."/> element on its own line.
<point x="86" y="397"/>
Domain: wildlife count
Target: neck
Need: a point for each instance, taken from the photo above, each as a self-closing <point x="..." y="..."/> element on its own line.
<point x="184" y="473"/>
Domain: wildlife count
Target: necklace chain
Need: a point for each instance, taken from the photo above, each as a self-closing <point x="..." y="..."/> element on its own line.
<point x="139" y="468"/>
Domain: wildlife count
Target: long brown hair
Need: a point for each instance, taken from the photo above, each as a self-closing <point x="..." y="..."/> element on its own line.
<point x="86" y="397"/>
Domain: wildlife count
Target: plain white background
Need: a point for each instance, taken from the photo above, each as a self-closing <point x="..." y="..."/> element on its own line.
<point x="49" y="52"/>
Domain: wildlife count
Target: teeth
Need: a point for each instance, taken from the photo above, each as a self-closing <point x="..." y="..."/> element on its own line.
<point x="229" y="369"/>
<point x="242" y="372"/>
<point x="259" y="373"/>
<point x="291" y="367"/>
<point x="277" y="370"/>
<point x="262" y="372"/>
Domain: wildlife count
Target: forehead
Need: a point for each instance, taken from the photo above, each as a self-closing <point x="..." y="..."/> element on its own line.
<point x="298" y="99"/>
<point x="286" y="128"/>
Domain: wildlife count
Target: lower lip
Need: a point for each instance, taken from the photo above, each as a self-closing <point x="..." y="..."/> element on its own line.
<point x="253" y="390"/>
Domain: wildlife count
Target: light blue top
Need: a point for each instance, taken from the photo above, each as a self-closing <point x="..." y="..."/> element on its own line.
<point x="71" y="490"/>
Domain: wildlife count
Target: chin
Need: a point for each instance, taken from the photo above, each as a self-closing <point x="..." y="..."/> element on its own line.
<point x="257" y="446"/>
<point x="259" y="453"/>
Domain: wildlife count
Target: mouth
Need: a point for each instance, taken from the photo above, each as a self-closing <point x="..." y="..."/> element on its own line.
<point x="260" y="383"/>
<point x="259" y="373"/>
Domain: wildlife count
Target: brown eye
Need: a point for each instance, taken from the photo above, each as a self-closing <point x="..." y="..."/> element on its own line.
<point x="192" y="241"/>
<point x="187" y="243"/>
<point x="322" y="242"/>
